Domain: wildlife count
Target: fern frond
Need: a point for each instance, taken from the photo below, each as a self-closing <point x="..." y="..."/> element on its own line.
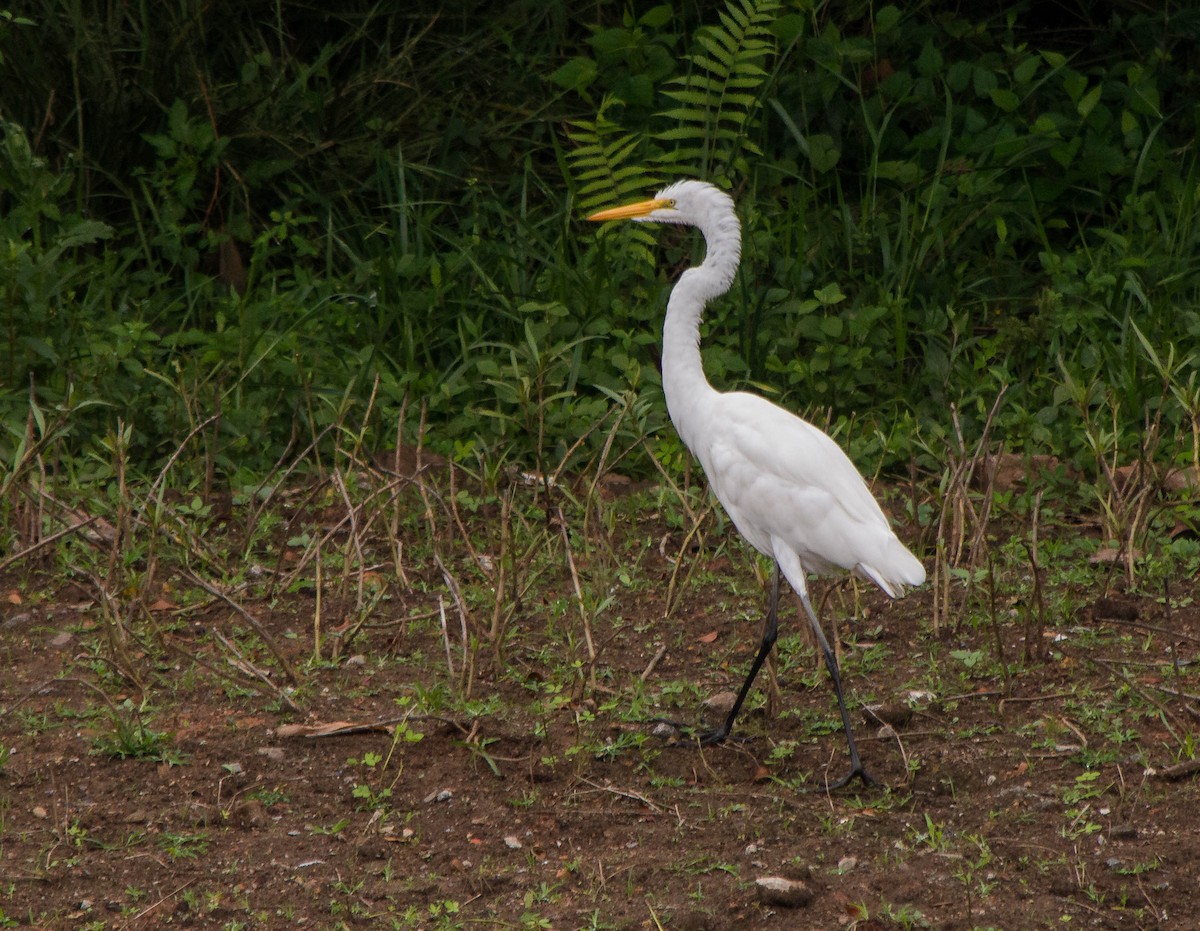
<point x="603" y="165"/>
<point x="718" y="99"/>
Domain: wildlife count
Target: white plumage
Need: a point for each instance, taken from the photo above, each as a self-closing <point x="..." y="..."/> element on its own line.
<point x="788" y="488"/>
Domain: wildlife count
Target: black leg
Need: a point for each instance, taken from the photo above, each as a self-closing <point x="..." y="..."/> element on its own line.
<point x="856" y="767"/>
<point x="769" y="635"/>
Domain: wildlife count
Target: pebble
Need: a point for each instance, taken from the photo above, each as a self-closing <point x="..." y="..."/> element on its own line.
<point x="783" y="893"/>
<point x="199" y="814"/>
<point x="373" y="848"/>
<point x="721" y="703"/>
<point x="512" y="843"/>
<point x="250" y="815"/>
<point x="896" y="715"/>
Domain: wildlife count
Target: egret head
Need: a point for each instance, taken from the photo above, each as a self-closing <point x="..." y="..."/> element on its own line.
<point x="695" y="203"/>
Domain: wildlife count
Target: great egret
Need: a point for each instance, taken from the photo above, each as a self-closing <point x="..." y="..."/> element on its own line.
<point x="787" y="487"/>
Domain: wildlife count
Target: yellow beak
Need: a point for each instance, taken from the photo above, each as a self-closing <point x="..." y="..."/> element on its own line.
<point x="629" y="211"/>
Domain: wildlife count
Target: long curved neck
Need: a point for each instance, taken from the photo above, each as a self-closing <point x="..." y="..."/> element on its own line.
<point x="684" y="381"/>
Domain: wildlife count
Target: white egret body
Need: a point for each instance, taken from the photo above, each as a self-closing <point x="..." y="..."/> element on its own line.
<point x="788" y="488"/>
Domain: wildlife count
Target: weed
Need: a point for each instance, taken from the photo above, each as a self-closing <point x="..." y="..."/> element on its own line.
<point x="183" y="846"/>
<point x="331" y="830"/>
<point x="932" y="838"/>
<point x="133" y="738"/>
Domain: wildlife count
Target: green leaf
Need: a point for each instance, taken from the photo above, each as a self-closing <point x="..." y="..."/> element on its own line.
<point x="887" y="19"/>
<point x="985" y="81"/>
<point x="901" y="171"/>
<point x="930" y="62"/>
<point x="1005" y="99"/>
<point x="1074" y="84"/>
<point x="1089" y="101"/>
<point x="789" y="28"/>
<point x="823" y="152"/>
<point x="576" y="75"/>
<point x="829" y="295"/>
<point x="657" y="17"/>
<point x="959" y="76"/>
<point x="832" y="327"/>
<point x="1025" y="71"/>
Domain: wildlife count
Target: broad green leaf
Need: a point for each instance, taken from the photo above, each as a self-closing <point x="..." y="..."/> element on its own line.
<point x="822" y="152"/>
<point x="657" y="17"/>
<point x="1005" y="99"/>
<point x="829" y="295"/>
<point x="1089" y="101"/>
<point x="832" y="327"/>
<point x="887" y="19"/>
<point x="576" y="75"/>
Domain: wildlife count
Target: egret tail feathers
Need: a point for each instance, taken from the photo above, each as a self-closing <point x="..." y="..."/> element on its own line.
<point x="906" y="571"/>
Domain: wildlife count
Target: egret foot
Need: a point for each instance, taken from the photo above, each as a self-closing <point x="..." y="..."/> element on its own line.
<point x="678" y="732"/>
<point x="720" y="736"/>
<point x="856" y="773"/>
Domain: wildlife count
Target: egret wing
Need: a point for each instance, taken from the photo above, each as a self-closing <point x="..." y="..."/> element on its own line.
<point x="781" y="478"/>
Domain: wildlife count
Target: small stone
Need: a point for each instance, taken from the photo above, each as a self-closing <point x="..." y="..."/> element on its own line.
<point x="783" y="893"/>
<point x="234" y="769"/>
<point x="274" y="754"/>
<point x="846" y="864"/>
<point x="894" y="715"/>
<point x="720" y="704"/>
<point x="199" y="814"/>
<point x="250" y="815"/>
<point x="40" y="812"/>
<point x="696" y="921"/>
<point x="61" y="639"/>
<point x="356" y="660"/>
<point x="373" y="848"/>
<point x="512" y="843"/>
<point x="439" y="795"/>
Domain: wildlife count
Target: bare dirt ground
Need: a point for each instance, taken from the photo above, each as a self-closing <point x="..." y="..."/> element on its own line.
<point x="1044" y="798"/>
